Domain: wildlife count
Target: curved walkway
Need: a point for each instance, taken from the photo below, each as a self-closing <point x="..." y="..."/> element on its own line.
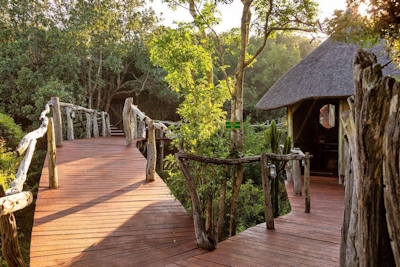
<point x="105" y="214"/>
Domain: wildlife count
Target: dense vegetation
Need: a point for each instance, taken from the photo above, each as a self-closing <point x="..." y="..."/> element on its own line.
<point x="91" y="52"/>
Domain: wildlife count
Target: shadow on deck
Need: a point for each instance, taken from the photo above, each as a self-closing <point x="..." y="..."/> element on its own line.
<point x="105" y="214"/>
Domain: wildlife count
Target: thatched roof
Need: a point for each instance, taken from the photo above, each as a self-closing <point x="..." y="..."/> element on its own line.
<point x="326" y="73"/>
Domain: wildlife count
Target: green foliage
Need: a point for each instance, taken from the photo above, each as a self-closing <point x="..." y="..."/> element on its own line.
<point x="251" y="206"/>
<point x="9" y="131"/>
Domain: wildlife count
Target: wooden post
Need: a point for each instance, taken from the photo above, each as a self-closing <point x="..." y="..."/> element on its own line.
<point x="95" y="124"/>
<point x="269" y="216"/>
<point x="134" y="125"/>
<point x="9" y="239"/>
<point x="203" y="241"/>
<point x="160" y="153"/>
<point x="141" y="129"/>
<point x="108" y="125"/>
<point x="307" y="181"/>
<point x="103" y="123"/>
<point x="57" y="121"/>
<point x="296" y="178"/>
<point x="126" y="116"/>
<point x="51" y="150"/>
<point x="70" y="124"/>
<point x="151" y="152"/>
<point x="88" y="124"/>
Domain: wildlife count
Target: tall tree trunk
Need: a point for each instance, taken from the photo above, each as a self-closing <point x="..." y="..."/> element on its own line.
<point x="236" y="145"/>
<point x="372" y="127"/>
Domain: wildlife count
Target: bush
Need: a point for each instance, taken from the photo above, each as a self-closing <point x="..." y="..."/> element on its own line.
<point x="9" y="131"/>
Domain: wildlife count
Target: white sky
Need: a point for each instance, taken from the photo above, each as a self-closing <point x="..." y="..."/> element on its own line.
<point x="231" y="13"/>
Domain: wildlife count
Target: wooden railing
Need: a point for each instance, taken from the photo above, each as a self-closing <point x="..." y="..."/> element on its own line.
<point x="136" y="124"/>
<point x="14" y="199"/>
<point x="204" y="240"/>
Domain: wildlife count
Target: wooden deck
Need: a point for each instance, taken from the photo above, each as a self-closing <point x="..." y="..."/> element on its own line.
<point x="104" y="214"/>
<point x="299" y="239"/>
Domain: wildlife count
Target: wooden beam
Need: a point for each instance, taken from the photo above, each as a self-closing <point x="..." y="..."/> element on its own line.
<point x="151" y="153"/>
<point x="51" y="151"/>
<point x="126" y="114"/>
<point x="307" y="182"/>
<point x="269" y="216"/>
<point x="57" y="121"/>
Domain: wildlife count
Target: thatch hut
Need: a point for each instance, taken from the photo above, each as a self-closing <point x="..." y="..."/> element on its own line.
<point x="315" y="92"/>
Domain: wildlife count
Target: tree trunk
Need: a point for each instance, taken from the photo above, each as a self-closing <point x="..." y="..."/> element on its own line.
<point x="236" y="145"/>
<point x="372" y="128"/>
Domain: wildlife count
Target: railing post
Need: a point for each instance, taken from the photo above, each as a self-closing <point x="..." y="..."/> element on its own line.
<point x="134" y="125"/>
<point x="297" y="190"/>
<point x="108" y="125"/>
<point x="9" y="239"/>
<point x="103" y="123"/>
<point x="57" y="121"/>
<point x="88" y="124"/>
<point x="151" y="152"/>
<point x="70" y="124"/>
<point x="160" y="154"/>
<point x="51" y="149"/>
<point x="95" y="125"/>
<point x="269" y="216"/>
<point x="307" y="181"/>
<point x="126" y="117"/>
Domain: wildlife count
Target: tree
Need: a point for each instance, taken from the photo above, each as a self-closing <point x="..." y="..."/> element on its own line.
<point x="270" y="17"/>
<point x="382" y="21"/>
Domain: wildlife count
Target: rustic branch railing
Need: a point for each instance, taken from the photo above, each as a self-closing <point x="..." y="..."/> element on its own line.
<point x="134" y="128"/>
<point x="14" y="199"/>
<point x="203" y="239"/>
<point x="92" y="116"/>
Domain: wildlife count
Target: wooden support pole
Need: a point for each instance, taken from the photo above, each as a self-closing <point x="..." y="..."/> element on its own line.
<point x="103" y="123"/>
<point x="141" y="129"/>
<point x="9" y="239"/>
<point x="57" y="121"/>
<point x="297" y="190"/>
<point x="70" y="124"/>
<point x="88" y="124"/>
<point x="160" y="152"/>
<point x="108" y="125"/>
<point x="307" y="181"/>
<point x="269" y="216"/>
<point x="126" y="116"/>
<point x="95" y="124"/>
<point x="203" y="241"/>
<point x="151" y="152"/>
<point x="51" y="150"/>
<point x="134" y="125"/>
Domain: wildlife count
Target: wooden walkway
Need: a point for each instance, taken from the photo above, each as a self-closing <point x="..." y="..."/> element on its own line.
<point x="104" y="214"/>
<point x="300" y="239"/>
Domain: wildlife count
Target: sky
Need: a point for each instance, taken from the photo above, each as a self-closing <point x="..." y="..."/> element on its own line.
<point x="231" y="13"/>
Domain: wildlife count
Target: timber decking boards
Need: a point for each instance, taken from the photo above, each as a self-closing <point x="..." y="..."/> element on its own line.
<point x="300" y="239"/>
<point x="105" y="214"/>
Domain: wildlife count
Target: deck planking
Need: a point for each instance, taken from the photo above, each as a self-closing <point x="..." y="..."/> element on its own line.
<point x="300" y="239"/>
<point x="105" y="214"/>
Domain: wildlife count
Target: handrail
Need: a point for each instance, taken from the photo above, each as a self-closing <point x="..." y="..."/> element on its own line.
<point x="134" y="129"/>
<point x="14" y="199"/>
<point x="91" y="121"/>
<point x="202" y="237"/>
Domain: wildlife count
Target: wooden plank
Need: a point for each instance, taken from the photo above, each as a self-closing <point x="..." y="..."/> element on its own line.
<point x="104" y="213"/>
